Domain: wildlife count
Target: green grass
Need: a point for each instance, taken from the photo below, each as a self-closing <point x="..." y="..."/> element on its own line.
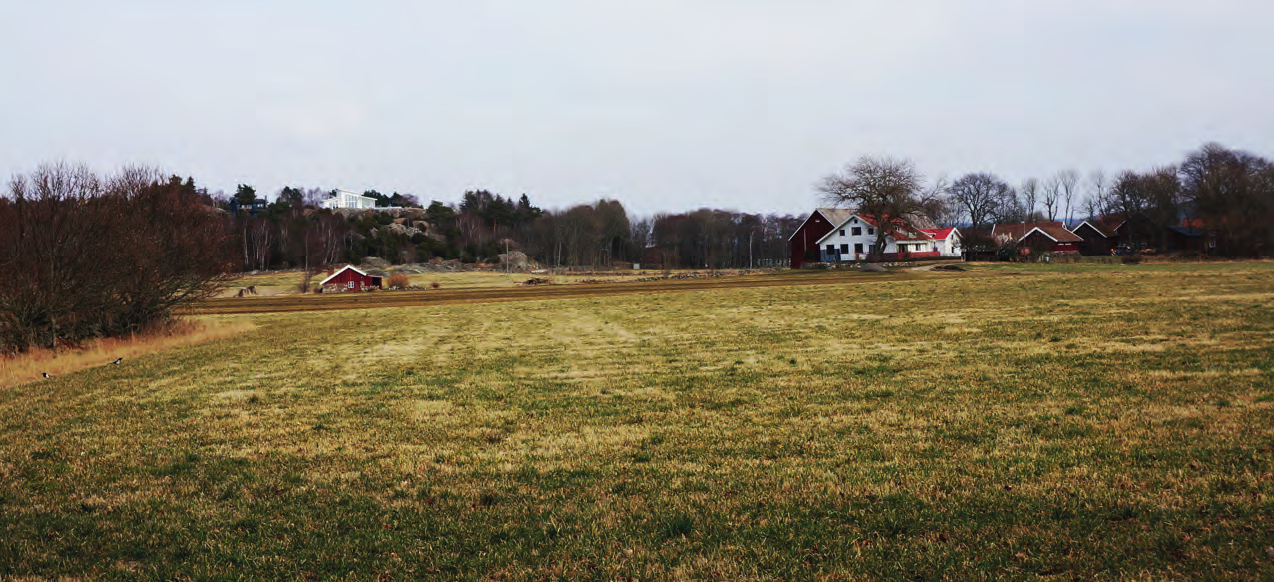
<point x="1101" y="421"/>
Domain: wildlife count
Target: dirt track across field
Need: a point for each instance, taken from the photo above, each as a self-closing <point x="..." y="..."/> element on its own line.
<point x="286" y="303"/>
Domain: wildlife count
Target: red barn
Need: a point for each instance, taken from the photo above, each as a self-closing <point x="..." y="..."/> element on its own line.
<point x="1098" y="239"/>
<point x="1049" y="238"/>
<point x="1039" y="237"/>
<point x="350" y="279"/>
<point x="804" y="242"/>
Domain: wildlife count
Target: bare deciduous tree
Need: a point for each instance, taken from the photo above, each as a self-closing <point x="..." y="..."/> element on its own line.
<point x="978" y="195"/>
<point x="1069" y="181"/>
<point x="100" y="256"/>
<point x="1230" y="194"/>
<point x="1008" y="207"/>
<point x="261" y="234"/>
<point x="1095" y="201"/>
<point x="888" y="190"/>
<point x="1030" y="197"/>
<point x="1051" y="195"/>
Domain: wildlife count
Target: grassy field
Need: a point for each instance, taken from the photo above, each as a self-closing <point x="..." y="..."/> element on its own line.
<point x="1014" y="422"/>
<point x="487" y="288"/>
<point x="287" y="282"/>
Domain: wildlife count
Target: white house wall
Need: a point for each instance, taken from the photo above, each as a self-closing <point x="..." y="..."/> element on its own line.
<point x="850" y="246"/>
<point x="835" y="246"/>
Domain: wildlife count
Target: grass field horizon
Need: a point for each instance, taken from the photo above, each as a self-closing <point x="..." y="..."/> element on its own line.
<point x="1060" y="422"/>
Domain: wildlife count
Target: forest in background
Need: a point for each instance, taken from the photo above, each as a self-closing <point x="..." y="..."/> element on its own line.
<point x="293" y="231"/>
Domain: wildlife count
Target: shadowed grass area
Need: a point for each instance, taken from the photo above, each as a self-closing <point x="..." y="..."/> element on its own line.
<point x="1059" y="423"/>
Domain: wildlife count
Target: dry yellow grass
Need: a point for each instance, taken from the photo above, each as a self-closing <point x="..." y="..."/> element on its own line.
<point x="27" y="367"/>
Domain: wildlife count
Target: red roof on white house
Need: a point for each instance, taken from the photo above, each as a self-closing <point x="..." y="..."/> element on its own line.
<point x="938" y="233"/>
<point x="902" y="230"/>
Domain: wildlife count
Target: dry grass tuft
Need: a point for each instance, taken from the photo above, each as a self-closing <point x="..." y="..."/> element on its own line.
<point x="28" y="366"/>
<point x="398" y="280"/>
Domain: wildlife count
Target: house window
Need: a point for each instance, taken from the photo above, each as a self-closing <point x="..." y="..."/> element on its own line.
<point x="831" y="249"/>
<point x="349" y="285"/>
<point x="858" y="248"/>
<point x="842" y="232"/>
<point x="858" y="231"/>
<point x="871" y="231"/>
<point x="844" y="249"/>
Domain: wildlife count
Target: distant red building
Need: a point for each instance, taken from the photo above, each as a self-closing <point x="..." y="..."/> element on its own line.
<point x="350" y="279"/>
<point x="1098" y="238"/>
<point x="1038" y="237"/>
<point x="804" y="242"/>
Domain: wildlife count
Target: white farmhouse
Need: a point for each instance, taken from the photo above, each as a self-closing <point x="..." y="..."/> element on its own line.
<point x="949" y="241"/>
<point x="855" y="239"/>
<point x="347" y="199"/>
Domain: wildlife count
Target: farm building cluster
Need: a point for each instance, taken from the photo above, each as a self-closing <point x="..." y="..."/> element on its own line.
<point x="839" y="235"/>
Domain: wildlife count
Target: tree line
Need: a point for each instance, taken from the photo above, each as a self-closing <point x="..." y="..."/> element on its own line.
<point x="293" y="231"/>
<point x="1226" y="192"/>
<point x="85" y="255"/>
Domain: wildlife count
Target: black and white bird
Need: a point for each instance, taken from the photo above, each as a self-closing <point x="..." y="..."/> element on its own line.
<point x="45" y="374"/>
<point x="118" y="361"/>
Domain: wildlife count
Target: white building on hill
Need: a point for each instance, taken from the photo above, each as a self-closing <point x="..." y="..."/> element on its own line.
<point x="347" y="199"/>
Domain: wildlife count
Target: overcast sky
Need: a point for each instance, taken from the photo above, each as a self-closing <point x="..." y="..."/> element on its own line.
<point x="664" y="105"/>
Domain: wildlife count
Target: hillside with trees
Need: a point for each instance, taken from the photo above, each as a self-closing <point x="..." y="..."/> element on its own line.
<point x="294" y="232"/>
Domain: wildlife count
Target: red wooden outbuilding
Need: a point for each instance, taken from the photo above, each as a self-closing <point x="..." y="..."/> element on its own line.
<point x="350" y="279"/>
<point x="804" y="242"/>
<point x="1039" y="237"/>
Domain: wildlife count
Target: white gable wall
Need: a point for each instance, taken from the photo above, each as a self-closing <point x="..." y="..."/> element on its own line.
<point x="854" y="239"/>
<point x="850" y="241"/>
<point x="953" y="246"/>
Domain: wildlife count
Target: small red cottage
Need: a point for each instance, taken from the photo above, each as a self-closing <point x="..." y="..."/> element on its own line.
<point x="349" y="279"/>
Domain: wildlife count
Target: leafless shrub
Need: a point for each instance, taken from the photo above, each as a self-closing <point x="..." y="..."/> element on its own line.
<point x="399" y="280"/>
<point x="88" y="256"/>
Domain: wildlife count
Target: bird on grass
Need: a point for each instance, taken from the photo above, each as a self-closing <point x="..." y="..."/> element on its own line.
<point x="118" y="361"/>
<point x="45" y="374"/>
